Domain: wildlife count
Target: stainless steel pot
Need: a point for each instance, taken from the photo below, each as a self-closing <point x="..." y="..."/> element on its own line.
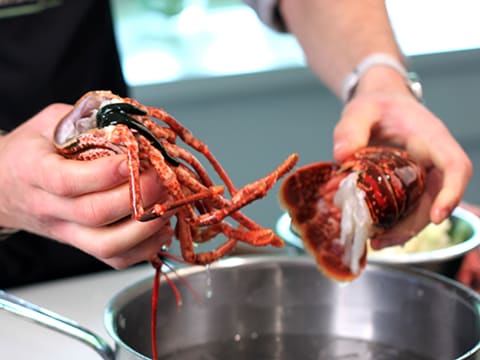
<point x="275" y="307"/>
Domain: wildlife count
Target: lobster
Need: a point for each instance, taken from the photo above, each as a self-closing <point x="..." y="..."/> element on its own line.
<point x="335" y="207"/>
<point x="103" y="124"/>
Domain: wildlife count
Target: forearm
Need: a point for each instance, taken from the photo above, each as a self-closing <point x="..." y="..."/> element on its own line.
<point x="337" y="35"/>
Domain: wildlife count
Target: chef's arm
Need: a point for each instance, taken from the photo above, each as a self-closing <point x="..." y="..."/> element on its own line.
<point x="336" y="36"/>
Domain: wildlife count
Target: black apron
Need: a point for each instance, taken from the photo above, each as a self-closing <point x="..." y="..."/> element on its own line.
<point x="46" y="56"/>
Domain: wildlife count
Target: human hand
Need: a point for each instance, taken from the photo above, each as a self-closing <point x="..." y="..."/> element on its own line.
<point x="85" y="204"/>
<point x="469" y="273"/>
<point x="392" y="116"/>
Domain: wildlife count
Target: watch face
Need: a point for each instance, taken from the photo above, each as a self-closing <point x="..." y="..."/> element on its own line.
<point x="417" y="90"/>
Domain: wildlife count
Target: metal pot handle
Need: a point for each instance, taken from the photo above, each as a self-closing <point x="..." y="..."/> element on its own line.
<point x="56" y="322"/>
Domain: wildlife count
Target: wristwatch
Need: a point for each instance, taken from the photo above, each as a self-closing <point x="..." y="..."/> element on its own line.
<point x="412" y="80"/>
<point x="415" y="86"/>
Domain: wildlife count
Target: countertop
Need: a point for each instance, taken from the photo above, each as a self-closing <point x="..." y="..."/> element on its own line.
<point x="82" y="299"/>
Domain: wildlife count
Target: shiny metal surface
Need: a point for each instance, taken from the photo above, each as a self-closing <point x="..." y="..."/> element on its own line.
<point x="396" y="310"/>
<point x="442" y="261"/>
<point x="399" y="307"/>
<point x="51" y="320"/>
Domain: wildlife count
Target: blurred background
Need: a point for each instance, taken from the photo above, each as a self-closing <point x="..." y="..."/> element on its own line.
<point x="245" y="90"/>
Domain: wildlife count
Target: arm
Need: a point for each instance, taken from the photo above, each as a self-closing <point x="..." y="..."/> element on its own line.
<point x="336" y="36"/>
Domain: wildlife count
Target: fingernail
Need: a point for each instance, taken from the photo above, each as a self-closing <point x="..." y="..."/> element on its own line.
<point x="339" y="149"/>
<point x="439" y="215"/>
<point x="338" y="146"/>
<point x="123" y="168"/>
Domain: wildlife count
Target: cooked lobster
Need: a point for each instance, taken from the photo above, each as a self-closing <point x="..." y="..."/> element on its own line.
<point x="336" y="207"/>
<point x="104" y="124"/>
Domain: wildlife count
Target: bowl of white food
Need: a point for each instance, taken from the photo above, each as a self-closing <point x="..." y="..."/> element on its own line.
<point x="438" y="248"/>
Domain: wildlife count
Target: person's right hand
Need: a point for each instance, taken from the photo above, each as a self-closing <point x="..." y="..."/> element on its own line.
<point x="384" y="112"/>
<point x="82" y="203"/>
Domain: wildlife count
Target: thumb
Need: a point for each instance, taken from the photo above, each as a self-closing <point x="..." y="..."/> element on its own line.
<point x="353" y="129"/>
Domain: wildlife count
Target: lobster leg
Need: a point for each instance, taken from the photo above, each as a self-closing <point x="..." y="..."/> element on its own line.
<point x="184" y="234"/>
<point x="187" y="136"/>
<point x="249" y="193"/>
<point x="159" y="210"/>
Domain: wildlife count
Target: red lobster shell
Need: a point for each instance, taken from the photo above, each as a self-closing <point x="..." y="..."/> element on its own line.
<point x="336" y="207"/>
<point x="148" y="136"/>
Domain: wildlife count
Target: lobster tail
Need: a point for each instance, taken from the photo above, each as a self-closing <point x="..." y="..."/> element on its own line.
<point x="335" y="208"/>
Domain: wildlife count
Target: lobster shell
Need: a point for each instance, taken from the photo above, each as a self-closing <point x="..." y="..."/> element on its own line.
<point x="392" y="183"/>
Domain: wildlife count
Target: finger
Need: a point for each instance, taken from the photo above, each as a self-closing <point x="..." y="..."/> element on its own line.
<point x="457" y="171"/>
<point x="67" y="177"/>
<point x="406" y="229"/>
<point x="353" y="130"/>
<point x="469" y="270"/>
<point x="104" y="207"/>
<point x="440" y="150"/>
<point x="465" y="276"/>
<point x="111" y="241"/>
<point x="145" y="251"/>
<point x="413" y="223"/>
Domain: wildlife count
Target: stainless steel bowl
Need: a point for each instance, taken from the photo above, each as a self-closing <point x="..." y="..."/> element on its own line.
<point x="444" y="261"/>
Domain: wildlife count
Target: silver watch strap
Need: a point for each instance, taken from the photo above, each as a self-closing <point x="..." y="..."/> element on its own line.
<point x="380" y="59"/>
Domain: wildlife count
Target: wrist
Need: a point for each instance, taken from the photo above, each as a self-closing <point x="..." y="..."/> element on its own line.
<point x="381" y="72"/>
<point x="381" y="79"/>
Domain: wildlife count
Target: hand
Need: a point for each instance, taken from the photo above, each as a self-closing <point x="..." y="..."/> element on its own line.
<point x="469" y="273"/>
<point x="82" y="203"/>
<point x="392" y="116"/>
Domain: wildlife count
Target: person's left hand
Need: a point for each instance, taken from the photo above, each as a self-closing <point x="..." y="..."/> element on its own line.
<point x="396" y="118"/>
<point x="469" y="273"/>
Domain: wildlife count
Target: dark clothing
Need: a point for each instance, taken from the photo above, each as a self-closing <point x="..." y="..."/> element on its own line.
<point x="55" y="55"/>
<point x="26" y="258"/>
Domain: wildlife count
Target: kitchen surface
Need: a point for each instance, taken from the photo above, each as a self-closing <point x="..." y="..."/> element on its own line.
<point x="246" y="92"/>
